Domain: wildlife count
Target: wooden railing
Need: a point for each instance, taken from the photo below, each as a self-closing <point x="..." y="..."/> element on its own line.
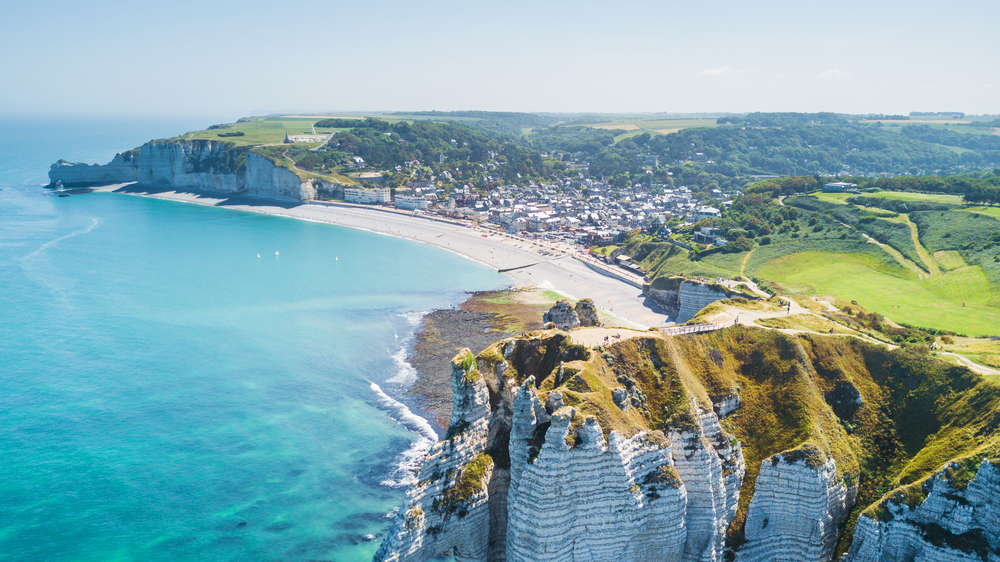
<point x="690" y="329"/>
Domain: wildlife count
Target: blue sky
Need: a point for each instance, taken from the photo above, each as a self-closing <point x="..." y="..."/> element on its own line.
<point x="228" y="59"/>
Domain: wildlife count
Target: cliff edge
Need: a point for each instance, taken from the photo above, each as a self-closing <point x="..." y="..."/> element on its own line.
<point x="742" y="444"/>
<point x="203" y="165"/>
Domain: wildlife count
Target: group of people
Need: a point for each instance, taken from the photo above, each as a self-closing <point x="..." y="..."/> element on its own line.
<point x="607" y="339"/>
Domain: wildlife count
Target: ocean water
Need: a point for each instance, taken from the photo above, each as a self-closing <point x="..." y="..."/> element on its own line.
<point x="165" y="394"/>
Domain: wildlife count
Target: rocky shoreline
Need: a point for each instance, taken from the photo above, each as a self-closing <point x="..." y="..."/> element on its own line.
<point x="479" y="322"/>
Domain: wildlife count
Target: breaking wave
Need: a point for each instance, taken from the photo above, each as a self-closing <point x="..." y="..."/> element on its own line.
<point x="406" y="374"/>
<point x="405" y="472"/>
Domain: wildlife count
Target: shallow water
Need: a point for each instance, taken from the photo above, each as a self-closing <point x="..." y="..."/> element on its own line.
<point x="165" y="394"/>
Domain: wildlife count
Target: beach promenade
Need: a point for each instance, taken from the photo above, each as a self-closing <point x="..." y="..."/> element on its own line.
<point x="544" y="264"/>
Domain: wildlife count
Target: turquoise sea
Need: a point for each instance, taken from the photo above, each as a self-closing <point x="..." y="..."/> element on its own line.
<point x="165" y="394"/>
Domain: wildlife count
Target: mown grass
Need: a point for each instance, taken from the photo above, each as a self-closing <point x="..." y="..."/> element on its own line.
<point x="983" y="210"/>
<point x="259" y="130"/>
<point x="954" y="301"/>
<point x="949" y="259"/>
<point x="976" y="237"/>
<point x="921" y="197"/>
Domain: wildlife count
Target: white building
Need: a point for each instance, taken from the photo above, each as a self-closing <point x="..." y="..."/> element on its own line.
<point x="375" y="196"/>
<point x="411" y="202"/>
<point x="707" y="213"/>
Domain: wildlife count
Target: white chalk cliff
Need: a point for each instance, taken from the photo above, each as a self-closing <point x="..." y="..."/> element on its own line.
<point x="558" y="490"/>
<point x="528" y="473"/>
<point x="798" y="508"/>
<point x="201" y="165"/>
<point x="686" y="298"/>
<point x="938" y="521"/>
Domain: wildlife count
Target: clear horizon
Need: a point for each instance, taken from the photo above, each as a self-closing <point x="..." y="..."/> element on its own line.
<point x="232" y="59"/>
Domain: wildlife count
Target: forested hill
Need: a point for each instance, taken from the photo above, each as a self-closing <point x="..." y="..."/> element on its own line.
<point x="791" y="149"/>
<point x="508" y="125"/>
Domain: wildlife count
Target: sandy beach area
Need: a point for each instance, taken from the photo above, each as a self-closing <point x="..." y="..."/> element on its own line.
<point x="558" y="271"/>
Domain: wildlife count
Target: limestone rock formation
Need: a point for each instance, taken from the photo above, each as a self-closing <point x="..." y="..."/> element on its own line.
<point x="695" y="296"/>
<point x="566" y="317"/>
<point x="587" y="313"/>
<point x="448" y="507"/>
<point x="560" y="488"/>
<point x="562" y="316"/>
<point x="635" y="451"/>
<point x="937" y="520"/>
<point x="199" y="164"/>
<point x="798" y="508"/>
<point x="121" y="169"/>
<point x="684" y="298"/>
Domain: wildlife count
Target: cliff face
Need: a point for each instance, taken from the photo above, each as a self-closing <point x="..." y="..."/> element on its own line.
<point x="202" y="165"/>
<point x="557" y="488"/>
<point x="121" y="169"/>
<point x="695" y="296"/>
<point x="798" y="508"/>
<point x="686" y="298"/>
<point x="741" y="444"/>
<point x="449" y="507"/>
<point x="938" y="520"/>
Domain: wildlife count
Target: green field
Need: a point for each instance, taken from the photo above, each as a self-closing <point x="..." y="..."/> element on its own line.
<point x="949" y="259"/>
<point x="839" y="198"/>
<point x="260" y="130"/>
<point x="933" y="302"/>
<point x="921" y="197"/>
<point x="988" y="211"/>
<point x="955" y="125"/>
<point x="636" y="126"/>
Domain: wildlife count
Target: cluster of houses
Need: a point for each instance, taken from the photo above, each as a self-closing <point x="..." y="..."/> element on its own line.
<point x="589" y="211"/>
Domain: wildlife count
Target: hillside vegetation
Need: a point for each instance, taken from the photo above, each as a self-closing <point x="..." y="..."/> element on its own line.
<point x="917" y="412"/>
<point x="920" y="259"/>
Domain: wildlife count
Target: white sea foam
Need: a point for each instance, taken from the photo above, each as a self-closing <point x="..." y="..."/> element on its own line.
<point x="405" y="473"/>
<point x="406" y="374"/>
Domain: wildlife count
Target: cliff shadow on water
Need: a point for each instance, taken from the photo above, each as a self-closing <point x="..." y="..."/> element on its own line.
<point x="739" y="444"/>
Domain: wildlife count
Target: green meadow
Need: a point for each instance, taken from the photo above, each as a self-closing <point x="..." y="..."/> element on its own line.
<point x="631" y="127"/>
<point x="955" y="300"/>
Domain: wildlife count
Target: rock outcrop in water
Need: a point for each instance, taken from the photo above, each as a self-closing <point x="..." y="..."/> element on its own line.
<point x="731" y="445"/>
<point x="202" y="165"/>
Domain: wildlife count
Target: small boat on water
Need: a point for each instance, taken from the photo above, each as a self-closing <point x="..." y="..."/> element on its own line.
<point x="276" y="253"/>
<point x="258" y="256"/>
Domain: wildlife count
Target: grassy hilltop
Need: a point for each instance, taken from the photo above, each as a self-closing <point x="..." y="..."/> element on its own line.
<point x="925" y="260"/>
<point x="918" y="412"/>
